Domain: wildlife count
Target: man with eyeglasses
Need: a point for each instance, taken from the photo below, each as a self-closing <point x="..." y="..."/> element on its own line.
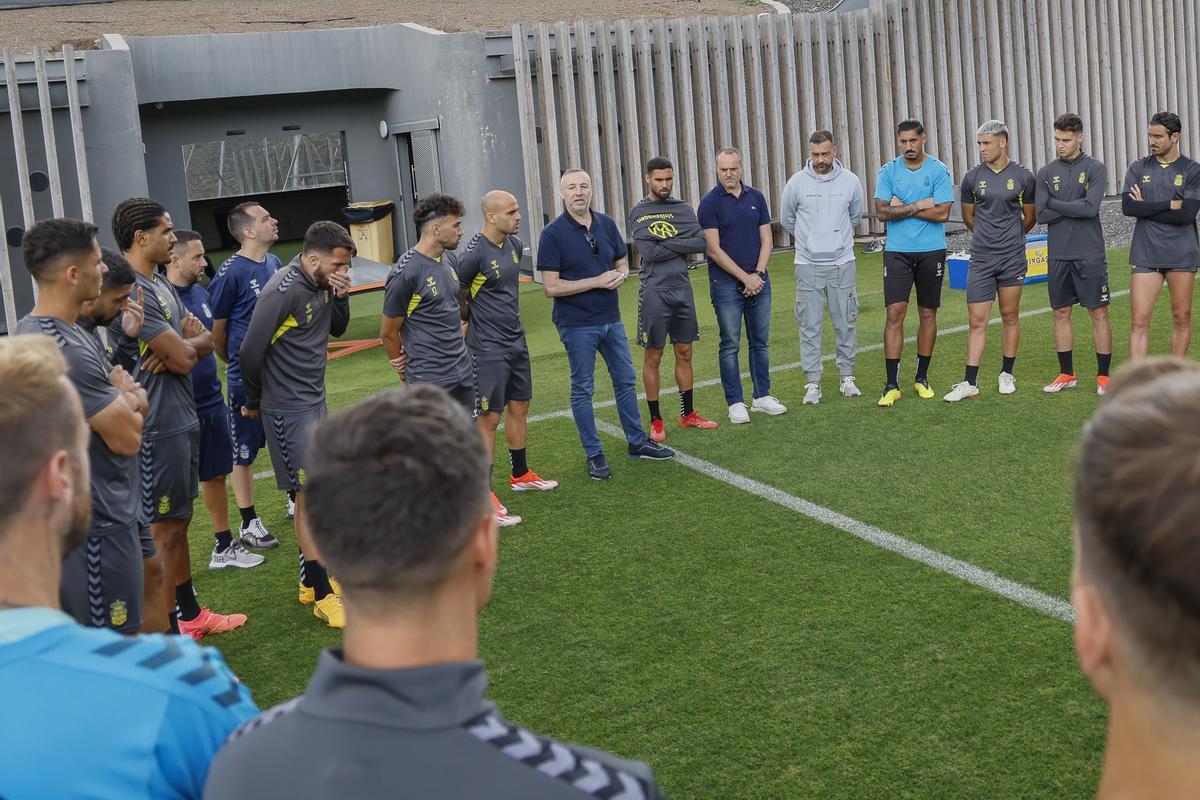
<point x="583" y="261"/>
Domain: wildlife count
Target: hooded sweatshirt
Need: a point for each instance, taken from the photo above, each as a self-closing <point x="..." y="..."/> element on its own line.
<point x="820" y="211"/>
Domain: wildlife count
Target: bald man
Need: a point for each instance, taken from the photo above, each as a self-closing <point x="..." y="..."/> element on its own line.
<point x="489" y="275"/>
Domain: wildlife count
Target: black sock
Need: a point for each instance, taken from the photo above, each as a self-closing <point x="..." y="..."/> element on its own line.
<point x="318" y="578"/>
<point x="1008" y="364"/>
<point x="224" y="539"/>
<point x="519" y="465"/>
<point x="1066" y="362"/>
<point x="185" y="601"/>
<point x="1103" y="363"/>
<point x="304" y="575"/>
<point x="893" y="372"/>
<point x="972" y="375"/>
<point x="685" y="402"/>
<point x="173" y="622"/>
<point x="653" y="404"/>
<point x="923" y="368"/>
<point x="248" y="514"/>
<point x="291" y="495"/>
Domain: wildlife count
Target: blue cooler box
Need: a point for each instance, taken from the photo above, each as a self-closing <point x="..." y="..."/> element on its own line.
<point x="1035" y="255"/>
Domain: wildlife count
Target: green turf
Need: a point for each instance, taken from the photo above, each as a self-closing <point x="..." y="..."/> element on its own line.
<point x="746" y="651"/>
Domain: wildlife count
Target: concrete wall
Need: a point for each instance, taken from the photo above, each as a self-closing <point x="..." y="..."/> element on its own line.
<point x="114" y="155"/>
<point x="349" y="80"/>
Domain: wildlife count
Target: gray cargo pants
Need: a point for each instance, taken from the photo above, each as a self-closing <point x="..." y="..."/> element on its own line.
<point x="815" y="284"/>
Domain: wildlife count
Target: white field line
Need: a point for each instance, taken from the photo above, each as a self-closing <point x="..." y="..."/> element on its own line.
<point x="1019" y="592"/>
<point x="870" y="348"/>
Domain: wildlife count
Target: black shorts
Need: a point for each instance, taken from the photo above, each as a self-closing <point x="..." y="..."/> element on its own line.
<point x="248" y="434"/>
<point x="902" y="270"/>
<point x="1082" y="281"/>
<point x="216" y="446"/>
<point x="102" y="581"/>
<point x="501" y="378"/>
<point x="170" y="467"/>
<point x="662" y="313"/>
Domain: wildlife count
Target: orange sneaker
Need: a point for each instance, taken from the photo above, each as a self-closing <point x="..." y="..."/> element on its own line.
<point x="657" y="432"/>
<point x="1063" y="381"/>
<point x="1101" y="384"/>
<point x="694" y="420"/>
<point x="503" y="518"/>
<point x="530" y="482"/>
<point x="209" y="622"/>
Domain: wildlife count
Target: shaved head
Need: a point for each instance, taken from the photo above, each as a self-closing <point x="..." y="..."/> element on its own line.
<point x="501" y="215"/>
<point x="496" y="200"/>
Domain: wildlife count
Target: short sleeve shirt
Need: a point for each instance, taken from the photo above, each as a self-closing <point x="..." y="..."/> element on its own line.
<point x="737" y="221"/>
<point x="172" y="405"/>
<point x="206" y="386"/>
<point x="115" y="490"/>
<point x="1161" y="244"/>
<point x="931" y="179"/>
<point x="234" y="291"/>
<point x="578" y="253"/>
<point x="490" y="276"/>
<point x="425" y="293"/>
<point x="999" y="198"/>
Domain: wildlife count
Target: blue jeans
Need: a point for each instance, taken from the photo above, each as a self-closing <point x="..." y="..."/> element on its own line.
<point x="609" y="341"/>
<point x="731" y="307"/>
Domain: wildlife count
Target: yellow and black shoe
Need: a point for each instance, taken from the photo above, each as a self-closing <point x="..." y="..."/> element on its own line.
<point x="330" y="611"/>
<point x="890" y="395"/>
<point x="306" y="595"/>
<point x="924" y="390"/>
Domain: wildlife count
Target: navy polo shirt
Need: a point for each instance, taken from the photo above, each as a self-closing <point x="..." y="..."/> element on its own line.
<point x="737" y="220"/>
<point x="564" y="248"/>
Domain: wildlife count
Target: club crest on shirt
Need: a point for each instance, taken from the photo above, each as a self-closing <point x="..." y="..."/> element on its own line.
<point x="432" y="284"/>
<point x="516" y="256"/>
<point x="1179" y="180"/>
<point x="1010" y="185"/>
<point x="1057" y="183"/>
<point x="1083" y="178"/>
<point x="982" y="188"/>
<point x="118" y="614"/>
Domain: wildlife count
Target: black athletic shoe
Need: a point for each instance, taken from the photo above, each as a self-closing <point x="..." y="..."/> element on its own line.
<point x="598" y="467"/>
<point x="652" y="450"/>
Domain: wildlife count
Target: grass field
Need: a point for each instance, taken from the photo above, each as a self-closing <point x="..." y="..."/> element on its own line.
<point x="746" y="650"/>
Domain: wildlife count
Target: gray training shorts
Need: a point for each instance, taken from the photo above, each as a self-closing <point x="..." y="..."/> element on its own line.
<point x="501" y="378"/>
<point x="102" y="581"/>
<point x="288" y="438"/>
<point x="670" y="312"/>
<point x="170" y="469"/>
<point x="986" y="276"/>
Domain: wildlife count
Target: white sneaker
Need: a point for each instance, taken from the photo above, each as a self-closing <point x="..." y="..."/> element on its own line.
<point x="812" y="394"/>
<point x="1008" y="384"/>
<point x="768" y="405"/>
<point x="256" y="535"/>
<point x="738" y="413"/>
<point x="849" y="388"/>
<point x="234" y="556"/>
<point x="961" y="391"/>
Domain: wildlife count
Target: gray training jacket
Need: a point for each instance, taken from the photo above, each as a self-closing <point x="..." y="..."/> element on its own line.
<point x="284" y="352"/>
<point x="422" y="734"/>
<point x="666" y="232"/>
<point x="820" y="211"/>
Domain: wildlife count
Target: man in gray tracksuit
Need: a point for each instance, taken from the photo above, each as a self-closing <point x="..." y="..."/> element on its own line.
<point x="821" y="205"/>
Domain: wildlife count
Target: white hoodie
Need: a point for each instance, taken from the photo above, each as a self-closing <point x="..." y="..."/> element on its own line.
<point x="820" y="211"/>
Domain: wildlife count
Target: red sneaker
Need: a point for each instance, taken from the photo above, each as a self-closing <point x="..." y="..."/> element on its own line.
<point x="530" y="482"/>
<point x="503" y="518"/>
<point x="209" y="622"/>
<point x="694" y="420"/>
<point x="657" y="432"/>
<point x="1063" y="381"/>
<point x="1101" y="384"/>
